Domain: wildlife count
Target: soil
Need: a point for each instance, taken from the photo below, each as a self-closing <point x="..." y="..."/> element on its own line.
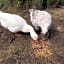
<point x="21" y="49"/>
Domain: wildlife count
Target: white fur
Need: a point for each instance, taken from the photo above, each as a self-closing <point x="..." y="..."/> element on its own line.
<point x="40" y="19"/>
<point x="15" y="23"/>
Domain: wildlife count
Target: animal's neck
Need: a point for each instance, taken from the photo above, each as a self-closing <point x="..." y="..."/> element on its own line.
<point x="27" y="28"/>
<point x="30" y="28"/>
<point x="32" y="32"/>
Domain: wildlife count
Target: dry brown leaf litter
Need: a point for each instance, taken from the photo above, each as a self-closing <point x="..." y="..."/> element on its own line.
<point x="43" y="49"/>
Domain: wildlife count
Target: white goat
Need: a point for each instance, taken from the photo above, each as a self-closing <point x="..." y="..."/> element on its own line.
<point x="15" y="23"/>
<point x="40" y="19"/>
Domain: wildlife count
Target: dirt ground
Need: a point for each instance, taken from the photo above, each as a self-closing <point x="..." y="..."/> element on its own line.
<point x="22" y="50"/>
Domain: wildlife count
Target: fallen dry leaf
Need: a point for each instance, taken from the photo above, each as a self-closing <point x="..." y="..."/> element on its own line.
<point x="43" y="49"/>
